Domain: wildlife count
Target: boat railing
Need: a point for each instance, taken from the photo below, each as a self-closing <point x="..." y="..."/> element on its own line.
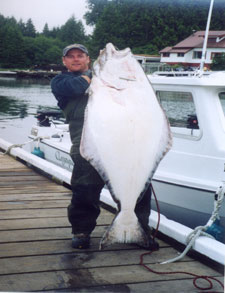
<point x="181" y="73"/>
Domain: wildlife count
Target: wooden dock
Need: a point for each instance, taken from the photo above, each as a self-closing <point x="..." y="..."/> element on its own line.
<point x="36" y="253"/>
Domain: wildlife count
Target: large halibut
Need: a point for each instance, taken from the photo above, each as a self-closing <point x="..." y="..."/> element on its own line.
<point x="125" y="135"/>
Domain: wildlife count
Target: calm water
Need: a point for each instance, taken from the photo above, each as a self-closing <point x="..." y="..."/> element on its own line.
<point x="20" y="99"/>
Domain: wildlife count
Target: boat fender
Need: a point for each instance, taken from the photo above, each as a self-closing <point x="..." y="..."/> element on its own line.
<point x="38" y="152"/>
<point x="216" y="230"/>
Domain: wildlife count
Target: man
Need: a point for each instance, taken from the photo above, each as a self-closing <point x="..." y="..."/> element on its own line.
<point x="69" y="89"/>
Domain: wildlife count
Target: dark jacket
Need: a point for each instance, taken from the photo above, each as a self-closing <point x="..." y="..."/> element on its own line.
<point x="69" y="89"/>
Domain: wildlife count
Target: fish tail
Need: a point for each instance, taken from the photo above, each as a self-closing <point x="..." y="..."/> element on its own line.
<point x="124" y="229"/>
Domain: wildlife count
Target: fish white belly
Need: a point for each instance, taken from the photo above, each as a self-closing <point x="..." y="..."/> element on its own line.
<point x="125" y="133"/>
<point x="123" y="139"/>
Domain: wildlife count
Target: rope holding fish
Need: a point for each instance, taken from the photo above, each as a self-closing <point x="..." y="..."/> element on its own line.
<point x="202" y="230"/>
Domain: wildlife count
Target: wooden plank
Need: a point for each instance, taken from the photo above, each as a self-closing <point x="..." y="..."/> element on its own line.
<point x="22" y="178"/>
<point x="21" y="224"/>
<point x="24" y="182"/>
<point x="7" y="162"/>
<point x="34" y="213"/>
<point x="36" y="196"/>
<point x="16" y="224"/>
<point x="43" y="234"/>
<point x="56" y="246"/>
<point x="7" y="159"/>
<point x="18" y="204"/>
<point x="41" y="247"/>
<point x="79" y="278"/>
<point x="31" y="188"/>
<point x="17" y="172"/>
<point x="82" y="259"/>
<point x="175" y="286"/>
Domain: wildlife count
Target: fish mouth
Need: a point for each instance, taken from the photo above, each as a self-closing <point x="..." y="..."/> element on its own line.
<point x="110" y="50"/>
<point x="108" y="53"/>
<point x="104" y="63"/>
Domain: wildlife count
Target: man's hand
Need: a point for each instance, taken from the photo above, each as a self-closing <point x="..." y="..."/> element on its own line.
<point x="87" y="75"/>
<point x="87" y="78"/>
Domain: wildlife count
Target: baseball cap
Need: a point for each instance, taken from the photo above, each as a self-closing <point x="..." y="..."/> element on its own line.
<point x="75" y="46"/>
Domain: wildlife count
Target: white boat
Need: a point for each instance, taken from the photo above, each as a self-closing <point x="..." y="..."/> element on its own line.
<point x="187" y="178"/>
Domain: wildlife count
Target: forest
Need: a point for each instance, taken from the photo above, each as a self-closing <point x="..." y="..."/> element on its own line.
<point x="146" y="26"/>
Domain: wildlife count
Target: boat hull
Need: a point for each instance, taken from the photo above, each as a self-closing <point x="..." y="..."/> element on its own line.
<point x="55" y="155"/>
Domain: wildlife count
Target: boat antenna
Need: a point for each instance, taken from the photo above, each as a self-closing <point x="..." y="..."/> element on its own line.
<point x="206" y="36"/>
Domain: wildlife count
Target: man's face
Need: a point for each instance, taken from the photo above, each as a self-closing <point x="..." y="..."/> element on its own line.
<point x="76" y="60"/>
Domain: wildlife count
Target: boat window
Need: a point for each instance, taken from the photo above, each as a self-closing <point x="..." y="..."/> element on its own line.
<point x="222" y="101"/>
<point x="180" y="110"/>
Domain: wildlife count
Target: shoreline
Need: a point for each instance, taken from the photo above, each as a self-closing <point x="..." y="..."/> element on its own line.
<point x="29" y="73"/>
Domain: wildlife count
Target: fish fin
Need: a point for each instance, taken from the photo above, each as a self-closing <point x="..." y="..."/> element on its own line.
<point x="124" y="229"/>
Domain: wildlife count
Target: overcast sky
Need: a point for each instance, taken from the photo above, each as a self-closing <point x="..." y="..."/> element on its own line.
<point x="53" y="12"/>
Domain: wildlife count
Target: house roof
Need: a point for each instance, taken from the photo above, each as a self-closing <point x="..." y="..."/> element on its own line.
<point x="146" y="55"/>
<point x="175" y="50"/>
<point x="216" y="39"/>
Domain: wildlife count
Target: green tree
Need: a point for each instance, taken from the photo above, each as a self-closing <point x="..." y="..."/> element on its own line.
<point x="30" y="29"/>
<point x="124" y="23"/>
<point x="22" y="27"/>
<point x="42" y="44"/>
<point x="72" y="32"/>
<point x="29" y="51"/>
<point x="2" y="21"/>
<point x="47" y="50"/>
<point x="12" y="47"/>
<point x="53" y="55"/>
<point x="218" y="62"/>
<point x="46" y="31"/>
<point x="54" y="33"/>
<point x="11" y="21"/>
<point x="96" y="8"/>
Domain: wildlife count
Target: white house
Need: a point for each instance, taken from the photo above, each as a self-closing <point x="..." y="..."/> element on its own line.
<point x="189" y="51"/>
